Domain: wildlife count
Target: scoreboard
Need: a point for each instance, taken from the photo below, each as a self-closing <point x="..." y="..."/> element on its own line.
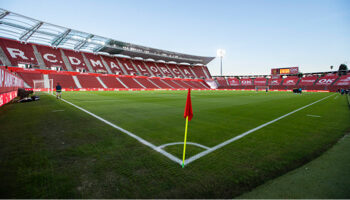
<point x="287" y="70"/>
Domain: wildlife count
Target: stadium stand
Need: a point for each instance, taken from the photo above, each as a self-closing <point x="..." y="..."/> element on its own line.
<point x="260" y="81"/>
<point x="144" y="71"/>
<point x="198" y="70"/>
<point x="155" y="70"/>
<point x="221" y="81"/>
<point x="276" y="83"/>
<point x="169" y="81"/>
<point x="129" y="82"/>
<point x="95" y="62"/>
<point x="69" y="60"/>
<point x="128" y="66"/>
<point x="200" y="84"/>
<point x="307" y="81"/>
<point x="193" y="84"/>
<point x="175" y="70"/>
<point x="18" y="53"/>
<point x="51" y="57"/>
<point x="247" y="83"/>
<point x="181" y="83"/>
<point x="75" y="59"/>
<point x="112" y="64"/>
<point x="28" y="76"/>
<point x="186" y="71"/>
<point x="47" y="57"/>
<point x="65" y="80"/>
<point x="342" y="83"/>
<point x="145" y="82"/>
<point x="88" y="81"/>
<point x="326" y="80"/>
<point x="232" y="81"/>
<point x="166" y="71"/>
<point x="206" y="71"/>
<point x="291" y="82"/>
<point x="159" y="82"/>
<point x="111" y="81"/>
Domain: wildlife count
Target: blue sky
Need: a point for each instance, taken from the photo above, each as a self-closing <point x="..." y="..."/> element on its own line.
<point x="257" y="35"/>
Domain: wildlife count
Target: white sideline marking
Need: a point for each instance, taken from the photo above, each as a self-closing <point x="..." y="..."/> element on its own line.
<point x="203" y="153"/>
<point x="168" y="155"/>
<point x="313" y="115"/>
<point x="336" y="97"/>
<point x="176" y="143"/>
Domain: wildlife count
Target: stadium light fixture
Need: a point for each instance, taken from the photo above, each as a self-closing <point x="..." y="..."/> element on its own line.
<point x="220" y="53"/>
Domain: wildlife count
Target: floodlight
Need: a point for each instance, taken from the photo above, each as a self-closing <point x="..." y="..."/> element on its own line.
<point x="220" y="53"/>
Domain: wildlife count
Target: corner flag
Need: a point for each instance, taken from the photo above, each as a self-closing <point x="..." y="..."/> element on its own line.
<point x="188" y="109"/>
<point x="188" y="114"/>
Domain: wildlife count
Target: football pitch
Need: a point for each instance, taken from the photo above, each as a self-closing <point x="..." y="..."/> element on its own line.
<point x="129" y="144"/>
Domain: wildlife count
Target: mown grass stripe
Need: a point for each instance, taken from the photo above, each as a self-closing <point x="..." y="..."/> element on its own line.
<point x="193" y="158"/>
<point x="168" y="155"/>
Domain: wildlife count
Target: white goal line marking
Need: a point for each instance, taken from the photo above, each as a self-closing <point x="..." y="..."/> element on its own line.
<point x="168" y="155"/>
<point x="203" y="153"/>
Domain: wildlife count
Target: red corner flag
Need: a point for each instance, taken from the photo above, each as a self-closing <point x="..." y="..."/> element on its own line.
<point x="188" y="109"/>
<point x="188" y="114"/>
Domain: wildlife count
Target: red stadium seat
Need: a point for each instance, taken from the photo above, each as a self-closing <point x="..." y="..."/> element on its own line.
<point x="145" y="82"/>
<point x="166" y="71"/>
<point x="175" y="70"/>
<point x="128" y="66"/>
<point x="159" y="82"/>
<point x="186" y="71"/>
<point x="113" y="64"/>
<point x="89" y="81"/>
<point x="140" y="65"/>
<point x="111" y="81"/>
<point x="96" y="63"/>
<point x="65" y="80"/>
<point x="260" y="81"/>
<point x="222" y="81"/>
<point x="172" y="83"/>
<point x="130" y="82"/>
<point x="29" y="76"/>
<point x="247" y="82"/>
<point x="75" y="59"/>
<point x="198" y="70"/>
<point x="155" y="70"/>
<point x="18" y="53"/>
<point x="52" y="57"/>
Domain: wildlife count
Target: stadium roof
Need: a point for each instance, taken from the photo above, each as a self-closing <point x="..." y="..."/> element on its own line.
<point x="26" y="29"/>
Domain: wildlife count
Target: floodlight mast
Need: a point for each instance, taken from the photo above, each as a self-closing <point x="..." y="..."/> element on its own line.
<point x="220" y="53"/>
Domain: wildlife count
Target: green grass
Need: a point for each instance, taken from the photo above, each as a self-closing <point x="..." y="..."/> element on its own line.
<point x="324" y="177"/>
<point x="69" y="154"/>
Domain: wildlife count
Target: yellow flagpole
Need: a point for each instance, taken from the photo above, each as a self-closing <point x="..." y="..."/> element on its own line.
<point x="183" y="157"/>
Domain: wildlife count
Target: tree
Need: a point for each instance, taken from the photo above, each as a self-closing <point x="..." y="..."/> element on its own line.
<point x="343" y="68"/>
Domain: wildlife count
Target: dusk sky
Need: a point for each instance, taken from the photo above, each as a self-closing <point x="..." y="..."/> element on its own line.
<point x="257" y="35"/>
